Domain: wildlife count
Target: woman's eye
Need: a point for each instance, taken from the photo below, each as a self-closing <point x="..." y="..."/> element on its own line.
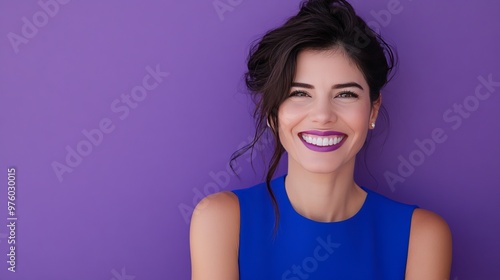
<point x="347" y="94"/>
<point x="298" y="93"/>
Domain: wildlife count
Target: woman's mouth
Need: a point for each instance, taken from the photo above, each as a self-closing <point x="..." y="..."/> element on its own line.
<point x="322" y="141"/>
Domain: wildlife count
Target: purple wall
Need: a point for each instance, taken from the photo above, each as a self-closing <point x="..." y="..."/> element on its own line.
<point x="157" y="87"/>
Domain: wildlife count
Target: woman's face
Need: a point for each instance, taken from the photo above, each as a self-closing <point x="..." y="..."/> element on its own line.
<point x="324" y="122"/>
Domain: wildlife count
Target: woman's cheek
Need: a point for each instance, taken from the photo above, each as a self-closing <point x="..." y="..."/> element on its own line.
<point x="291" y="111"/>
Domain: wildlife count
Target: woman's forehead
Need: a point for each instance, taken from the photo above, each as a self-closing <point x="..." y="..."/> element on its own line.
<point x="330" y="66"/>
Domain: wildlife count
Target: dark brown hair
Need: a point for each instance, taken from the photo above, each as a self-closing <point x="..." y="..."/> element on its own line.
<point x="319" y="25"/>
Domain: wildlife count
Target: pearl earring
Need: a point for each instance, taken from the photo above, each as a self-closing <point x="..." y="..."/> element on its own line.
<point x="372" y="125"/>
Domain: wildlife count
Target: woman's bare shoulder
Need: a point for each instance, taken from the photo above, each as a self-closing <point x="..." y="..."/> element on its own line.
<point x="217" y="203"/>
<point x="430" y="247"/>
<point x="214" y="237"/>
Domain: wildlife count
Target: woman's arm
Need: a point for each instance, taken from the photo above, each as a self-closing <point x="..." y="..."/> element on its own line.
<point x="429" y="250"/>
<point x="214" y="238"/>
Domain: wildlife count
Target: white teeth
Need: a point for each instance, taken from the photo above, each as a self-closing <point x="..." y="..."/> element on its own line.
<point x="325" y="142"/>
<point x="322" y="141"/>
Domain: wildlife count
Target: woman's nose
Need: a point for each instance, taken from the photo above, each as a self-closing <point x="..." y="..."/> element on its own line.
<point x="323" y="112"/>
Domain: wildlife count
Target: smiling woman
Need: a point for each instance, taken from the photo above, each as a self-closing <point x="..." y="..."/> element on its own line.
<point x="328" y="92"/>
<point x="318" y="88"/>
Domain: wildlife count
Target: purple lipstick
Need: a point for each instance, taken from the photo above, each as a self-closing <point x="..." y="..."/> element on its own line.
<point x="322" y="141"/>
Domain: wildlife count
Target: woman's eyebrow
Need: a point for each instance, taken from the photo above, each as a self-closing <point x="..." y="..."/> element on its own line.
<point x="337" y="86"/>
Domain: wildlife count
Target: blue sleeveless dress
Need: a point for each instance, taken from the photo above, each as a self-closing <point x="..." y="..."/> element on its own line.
<point x="373" y="244"/>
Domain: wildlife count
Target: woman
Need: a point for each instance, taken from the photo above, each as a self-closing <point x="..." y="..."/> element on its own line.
<point x="318" y="79"/>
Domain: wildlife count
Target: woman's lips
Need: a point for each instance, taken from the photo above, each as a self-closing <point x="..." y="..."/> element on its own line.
<point x="322" y="141"/>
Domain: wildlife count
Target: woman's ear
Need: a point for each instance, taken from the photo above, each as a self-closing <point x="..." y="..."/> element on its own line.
<point x="270" y="123"/>
<point x="374" y="110"/>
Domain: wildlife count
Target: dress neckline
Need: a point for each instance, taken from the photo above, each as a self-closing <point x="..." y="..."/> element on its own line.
<point x="288" y="205"/>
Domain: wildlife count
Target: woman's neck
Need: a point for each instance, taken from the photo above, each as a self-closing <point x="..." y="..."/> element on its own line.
<point x="324" y="197"/>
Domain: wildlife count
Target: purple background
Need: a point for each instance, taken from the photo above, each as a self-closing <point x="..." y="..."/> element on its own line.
<point x="118" y="215"/>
